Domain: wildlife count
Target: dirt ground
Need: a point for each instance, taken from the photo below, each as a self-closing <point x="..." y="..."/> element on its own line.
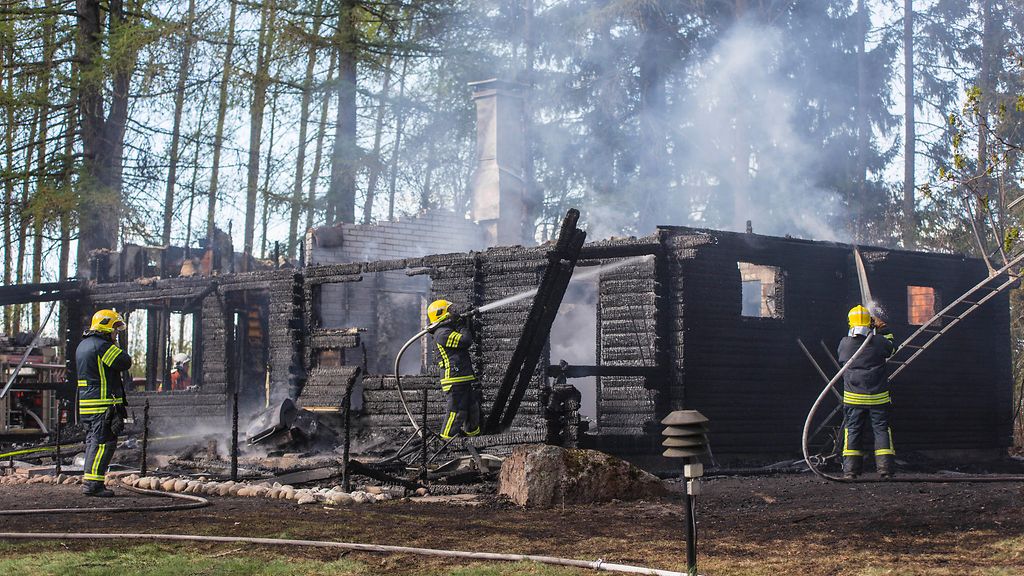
<point x="754" y="525"/>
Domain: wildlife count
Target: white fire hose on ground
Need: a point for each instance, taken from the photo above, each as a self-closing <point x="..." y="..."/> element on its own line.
<point x="600" y="565"/>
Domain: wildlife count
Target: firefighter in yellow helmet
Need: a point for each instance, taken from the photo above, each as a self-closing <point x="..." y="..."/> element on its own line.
<point x="458" y="380"/>
<point x="866" y="393"/>
<point x="100" y="364"/>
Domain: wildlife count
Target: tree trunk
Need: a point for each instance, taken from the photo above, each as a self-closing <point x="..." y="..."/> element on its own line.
<point x="377" y="165"/>
<point x="218" y="138"/>
<point x="261" y="80"/>
<point x="67" y="186"/>
<point x="910" y="132"/>
<point x="179" y="104"/>
<point x="532" y="195"/>
<point x="314" y="176"/>
<point x="24" y="213"/>
<point x="651" y="73"/>
<point x="40" y="211"/>
<point x="300" y="160"/>
<point x="266" y="176"/>
<point x="983" y="202"/>
<point x="397" y="146"/>
<point x="193" y="183"/>
<point x="863" y="121"/>
<point x="9" y="127"/>
<point x="341" y="193"/>
<point x="102" y="132"/>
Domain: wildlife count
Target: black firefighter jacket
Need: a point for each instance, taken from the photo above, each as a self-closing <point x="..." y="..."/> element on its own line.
<point x="100" y="364"/>
<point x="865" y="382"/>
<point x="453" y="344"/>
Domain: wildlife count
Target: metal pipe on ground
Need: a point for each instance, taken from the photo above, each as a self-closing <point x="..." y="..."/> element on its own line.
<point x="599" y="565"/>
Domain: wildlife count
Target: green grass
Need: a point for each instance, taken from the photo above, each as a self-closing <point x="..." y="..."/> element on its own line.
<point x="155" y="560"/>
<point x="52" y="558"/>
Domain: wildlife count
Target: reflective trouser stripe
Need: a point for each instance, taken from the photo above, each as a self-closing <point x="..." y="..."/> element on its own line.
<point x="475" y="432"/>
<point x="90" y="406"/>
<point x="890" y="451"/>
<point x="83" y="383"/>
<point x="94" y="472"/>
<point x="846" y="445"/>
<point x="100" y="401"/>
<point x="446" y="433"/>
<point x="856" y="399"/>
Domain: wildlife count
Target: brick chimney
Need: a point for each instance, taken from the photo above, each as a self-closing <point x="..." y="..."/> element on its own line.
<point x="499" y="186"/>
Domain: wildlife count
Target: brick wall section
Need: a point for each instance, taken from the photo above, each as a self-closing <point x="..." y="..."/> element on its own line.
<point x="430" y="232"/>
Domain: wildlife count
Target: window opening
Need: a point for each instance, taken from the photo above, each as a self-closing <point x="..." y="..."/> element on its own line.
<point x="574" y="339"/>
<point x="181" y="346"/>
<point x="137" y="337"/>
<point x="922" y="302"/>
<point x="761" y="290"/>
<point x="388" y="307"/>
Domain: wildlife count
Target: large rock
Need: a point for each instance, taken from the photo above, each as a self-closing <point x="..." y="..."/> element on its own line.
<point x="544" y="476"/>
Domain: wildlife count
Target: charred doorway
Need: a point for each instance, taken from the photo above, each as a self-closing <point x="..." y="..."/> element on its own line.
<point x="248" y="348"/>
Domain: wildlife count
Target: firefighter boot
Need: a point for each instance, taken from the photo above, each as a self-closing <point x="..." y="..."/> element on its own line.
<point x="97" y="489"/>
<point x="885" y="465"/>
<point x="852" y="466"/>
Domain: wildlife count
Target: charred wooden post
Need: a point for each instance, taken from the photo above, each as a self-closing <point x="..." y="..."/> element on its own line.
<point x="234" y="437"/>
<point x="423" y="439"/>
<point x="346" y="480"/>
<point x="561" y="262"/>
<point x="60" y="410"/>
<point x="144" y="467"/>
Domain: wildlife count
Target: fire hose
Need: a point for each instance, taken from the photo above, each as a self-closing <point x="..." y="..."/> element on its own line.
<point x="191" y="502"/>
<point x="806" y="439"/>
<point x="398" y="359"/>
<point x="599" y="564"/>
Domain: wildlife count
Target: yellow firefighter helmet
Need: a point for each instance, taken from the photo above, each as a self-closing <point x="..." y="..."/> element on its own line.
<point x="438" y="310"/>
<point x="106" y="321"/>
<point x="859" y="316"/>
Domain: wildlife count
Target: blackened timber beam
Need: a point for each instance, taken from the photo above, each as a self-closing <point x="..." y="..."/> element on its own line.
<point x="571" y="371"/>
<point x="198" y="300"/>
<point x="43" y="292"/>
<point x="561" y="262"/>
<point x="535" y="346"/>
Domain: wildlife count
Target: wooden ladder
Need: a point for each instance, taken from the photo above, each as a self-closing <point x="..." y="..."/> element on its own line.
<point x="996" y="283"/>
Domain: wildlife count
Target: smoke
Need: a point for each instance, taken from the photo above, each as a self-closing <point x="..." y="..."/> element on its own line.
<point x="744" y="141"/>
<point x="759" y="157"/>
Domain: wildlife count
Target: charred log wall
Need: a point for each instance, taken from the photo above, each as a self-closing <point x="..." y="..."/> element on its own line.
<point x="214" y="368"/>
<point x="749" y="377"/>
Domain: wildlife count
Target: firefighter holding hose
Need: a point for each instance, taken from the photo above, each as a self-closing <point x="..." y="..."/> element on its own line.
<point x="100" y="363"/>
<point x="866" y="393"/>
<point x="458" y="380"/>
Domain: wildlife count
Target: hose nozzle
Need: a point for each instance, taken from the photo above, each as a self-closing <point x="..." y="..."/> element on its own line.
<point x="453" y="318"/>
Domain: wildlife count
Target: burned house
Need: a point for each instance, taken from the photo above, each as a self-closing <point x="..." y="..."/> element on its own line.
<point x="683" y="318"/>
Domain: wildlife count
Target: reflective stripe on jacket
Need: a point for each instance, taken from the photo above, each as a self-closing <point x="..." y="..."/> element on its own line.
<point x="453" y="344"/>
<point x="100" y="364"/>
<point x="865" y="382"/>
